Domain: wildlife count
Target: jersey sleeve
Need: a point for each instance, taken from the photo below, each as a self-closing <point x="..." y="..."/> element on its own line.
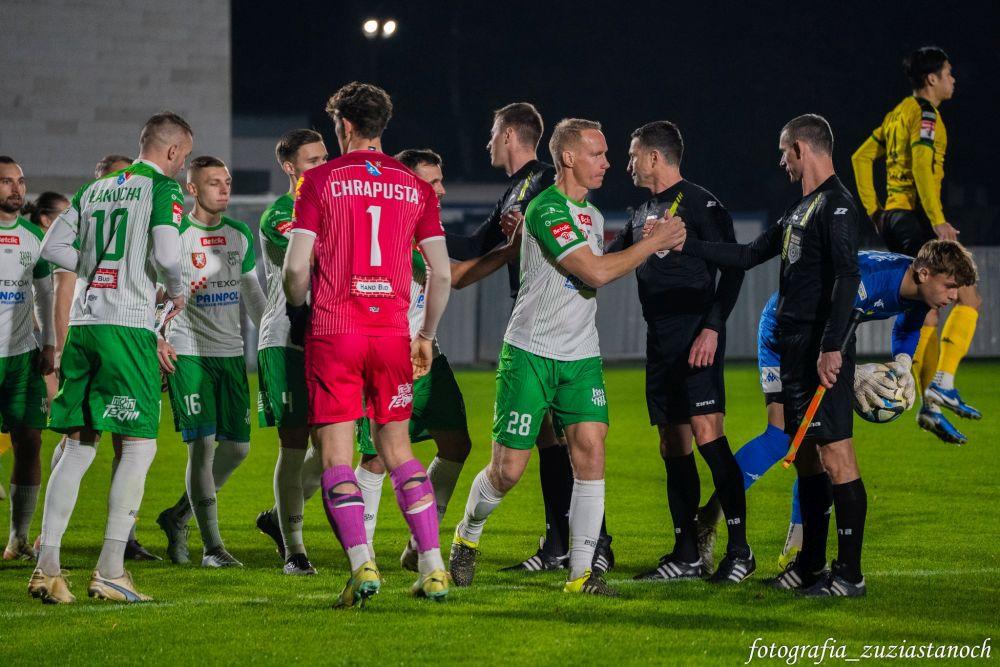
<point x="308" y="211"/>
<point x="41" y="269"/>
<point x="168" y="203"/>
<point x="923" y="129"/>
<point x="249" y="261"/>
<point x="718" y="226"/>
<point x="906" y="330"/>
<point x="863" y="162"/>
<point x="840" y="226"/>
<point x="552" y="226"/>
<point x="429" y="224"/>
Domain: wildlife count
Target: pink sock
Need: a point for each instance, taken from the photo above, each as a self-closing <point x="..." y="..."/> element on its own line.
<point x="424" y="522"/>
<point x="344" y="511"/>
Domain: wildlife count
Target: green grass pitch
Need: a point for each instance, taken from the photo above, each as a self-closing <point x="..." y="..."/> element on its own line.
<point x="930" y="557"/>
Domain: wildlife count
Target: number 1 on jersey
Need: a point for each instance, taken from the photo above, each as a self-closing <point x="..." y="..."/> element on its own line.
<point x="376" y="252"/>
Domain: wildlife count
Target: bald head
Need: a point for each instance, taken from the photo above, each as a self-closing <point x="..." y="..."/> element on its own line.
<point x="166" y="140"/>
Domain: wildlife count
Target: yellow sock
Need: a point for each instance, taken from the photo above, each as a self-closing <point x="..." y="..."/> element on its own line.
<point x="925" y="357"/>
<point x="4" y="443"/>
<point x="956" y="337"/>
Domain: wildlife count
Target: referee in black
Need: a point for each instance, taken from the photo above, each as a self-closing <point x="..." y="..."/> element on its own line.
<point x="513" y="147"/>
<point x="817" y="239"/>
<point x="686" y="312"/>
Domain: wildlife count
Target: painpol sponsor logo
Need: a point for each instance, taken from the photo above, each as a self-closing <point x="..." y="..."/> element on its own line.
<point x="105" y="279"/>
<point x="358" y="188"/>
<point x="212" y="299"/>
<point x="212" y="240"/>
<point x="11" y="298"/>
<point x="10" y="239"/>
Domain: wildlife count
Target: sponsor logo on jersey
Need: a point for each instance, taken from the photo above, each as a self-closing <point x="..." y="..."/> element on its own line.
<point x="284" y="226"/>
<point x="373" y="168"/>
<point x="178" y="213"/>
<point x="213" y="299"/>
<point x="358" y="188"/>
<point x="598" y="397"/>
<point x="105" y="279"/>
<point x="121" y="408"/>
<point x="10" y="239"/>
<point x="564" y="234"/>
<point x="371" y="286"/>
<point x="840" y="211"/>
<point x="701" y="404"/>
<point x="212" y="240"/>
<point x="403" y="397"/>
<point x="927" y="128"/>
<point x="419" y="303"/>
<point x="199" y="259"/>
<point x="122" y="177"/>
<point x="879" y="304"/>
<point x="711" y="203"/>
<point x="199" y="284"/>
<point x="862" y="292"/>
<point x="10" y="298"/>
<point x="586" y="222"/>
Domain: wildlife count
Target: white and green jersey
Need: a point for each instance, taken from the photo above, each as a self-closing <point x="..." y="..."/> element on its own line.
<point x="418" y="301"/>
<point x="20" y="266"/>
<point x="113" y="218"/>
<point x="555" y="315"/>
<point x="213" y="261"/>
<point x="275" y="229"/>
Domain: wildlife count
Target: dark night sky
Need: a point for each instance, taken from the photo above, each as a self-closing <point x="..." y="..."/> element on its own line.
<point x="730" y="75"/>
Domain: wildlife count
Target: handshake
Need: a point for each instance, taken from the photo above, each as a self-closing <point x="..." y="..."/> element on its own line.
<point x="667" y="233"/>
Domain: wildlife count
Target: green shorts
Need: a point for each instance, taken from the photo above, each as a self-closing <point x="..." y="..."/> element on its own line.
<point x="210" y="396"/>
<point x="437" y="406"/>
<point x="528" y="385"/>
<point x="110" y="381"/>
<point x="282" y="399"/>
<point x="23" y="399"/>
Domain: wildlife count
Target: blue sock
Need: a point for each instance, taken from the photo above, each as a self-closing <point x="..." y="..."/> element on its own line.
<point x="796" y="510"/>
<point x="758" y="455"/>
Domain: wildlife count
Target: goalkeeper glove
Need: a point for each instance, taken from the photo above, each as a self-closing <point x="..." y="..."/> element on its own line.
<point x="870" y="386"/>
<point x="901" y="367"/>
<point x="298" y="316"/>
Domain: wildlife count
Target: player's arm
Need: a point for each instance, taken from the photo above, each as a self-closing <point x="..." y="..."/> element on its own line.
<point x="164" y="222"/>
<point x="59" y="245"/>
<point x="42" y="288"/>
<point x="922" y="133"/>
<point x="471" y="271"/>
<point x="737" y="255"/>
<point x="863" y="162"/>
<point x="250" y="291"/>
<point x="718" y="227"/>
<point x="64" y="283"/>
<point x="840" y="228"/>
<point x="622" y="240"/>
<point x="306" y="225"/>
<point x="573" y="252"/>
<point x="488" y="235"/>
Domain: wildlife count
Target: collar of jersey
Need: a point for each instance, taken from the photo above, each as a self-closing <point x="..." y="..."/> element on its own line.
<point x="149" y="164"/>
<point x="583" y="203"/>
<point x="194" y="222"/>
<point x="18" y="221"/>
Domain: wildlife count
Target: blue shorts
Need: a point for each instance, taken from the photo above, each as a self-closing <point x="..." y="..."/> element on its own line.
<point x="768" y="357"/>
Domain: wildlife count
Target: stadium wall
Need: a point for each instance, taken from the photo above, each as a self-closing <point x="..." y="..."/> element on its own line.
<point x="81" y="78"/>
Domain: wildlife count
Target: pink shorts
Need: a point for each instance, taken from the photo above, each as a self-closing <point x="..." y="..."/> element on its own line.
<point x="343" y="369"/>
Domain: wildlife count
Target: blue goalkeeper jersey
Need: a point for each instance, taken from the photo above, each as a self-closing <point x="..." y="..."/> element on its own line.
<point x="878" y="298"/>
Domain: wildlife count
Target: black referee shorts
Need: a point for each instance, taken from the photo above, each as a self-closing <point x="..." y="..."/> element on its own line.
<point x="674" y="391"/>
<point x="906" y="231"/>
<point x="799" y="353"/>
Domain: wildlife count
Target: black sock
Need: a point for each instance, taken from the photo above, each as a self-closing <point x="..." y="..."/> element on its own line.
<point x="728" y="479"/>
<point x="180" y="508"/>
<point x="850" y="501"/>
<point x="683" y="496"/>
<point x="556" y="473"/>
<point x="815" y="498"/>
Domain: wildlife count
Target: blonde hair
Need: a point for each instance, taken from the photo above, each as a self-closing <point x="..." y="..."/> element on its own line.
<point x="566" y="134"/>
<point x="950" y="258"/>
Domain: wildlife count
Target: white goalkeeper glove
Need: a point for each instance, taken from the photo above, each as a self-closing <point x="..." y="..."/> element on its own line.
<point x="902" y="368"/>
<point x="870" y="385"/>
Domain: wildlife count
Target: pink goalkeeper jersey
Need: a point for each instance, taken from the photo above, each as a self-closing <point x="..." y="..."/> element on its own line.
<point x="365" y="210"/>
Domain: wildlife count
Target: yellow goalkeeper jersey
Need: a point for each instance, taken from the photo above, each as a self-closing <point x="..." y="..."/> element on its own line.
<point x="913" y="140"/>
